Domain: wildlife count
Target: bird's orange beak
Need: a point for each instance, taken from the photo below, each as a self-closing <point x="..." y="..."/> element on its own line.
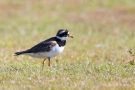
<point x="70" y="36"/>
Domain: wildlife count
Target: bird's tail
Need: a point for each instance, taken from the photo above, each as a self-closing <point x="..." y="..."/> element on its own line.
<point x="19" y="53"/>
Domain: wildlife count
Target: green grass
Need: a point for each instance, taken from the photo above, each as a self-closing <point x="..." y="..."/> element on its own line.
<point x="97" y="58"/>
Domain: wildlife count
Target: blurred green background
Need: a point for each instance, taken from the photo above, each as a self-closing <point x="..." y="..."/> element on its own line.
<point x="97" y="58"/>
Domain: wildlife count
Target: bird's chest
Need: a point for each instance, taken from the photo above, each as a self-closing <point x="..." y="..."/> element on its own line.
<point x="57" y="49"/>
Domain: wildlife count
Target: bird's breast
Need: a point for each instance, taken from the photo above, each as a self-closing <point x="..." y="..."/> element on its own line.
<point x="58" y="49"/>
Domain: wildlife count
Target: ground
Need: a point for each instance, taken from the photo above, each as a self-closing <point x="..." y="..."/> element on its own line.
<point x="97" y="58"/>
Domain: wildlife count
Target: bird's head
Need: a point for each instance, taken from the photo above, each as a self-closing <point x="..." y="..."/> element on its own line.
<point x="63" y="34"/>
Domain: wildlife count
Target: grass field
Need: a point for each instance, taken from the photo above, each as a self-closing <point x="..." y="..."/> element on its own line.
<point x="96" y="59"/>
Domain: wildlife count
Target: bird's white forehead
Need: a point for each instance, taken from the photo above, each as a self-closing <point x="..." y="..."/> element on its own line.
<point x="61" y="32"/>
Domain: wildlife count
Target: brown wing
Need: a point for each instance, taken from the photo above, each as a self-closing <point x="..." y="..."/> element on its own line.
<point x="42" y="47"/>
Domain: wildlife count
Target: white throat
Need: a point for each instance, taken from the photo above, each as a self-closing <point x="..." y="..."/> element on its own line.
<point x="61" y="38"/>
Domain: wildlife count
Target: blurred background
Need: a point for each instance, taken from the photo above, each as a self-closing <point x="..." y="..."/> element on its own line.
<point x="104" y="31"/>
<point x="29" y="19"/>
<point x="101" y="24"/>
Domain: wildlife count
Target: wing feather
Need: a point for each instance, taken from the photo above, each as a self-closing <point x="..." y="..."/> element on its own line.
<point x="42" y="47"/>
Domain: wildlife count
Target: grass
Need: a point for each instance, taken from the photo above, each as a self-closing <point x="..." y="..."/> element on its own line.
<point x="97" y="58"/>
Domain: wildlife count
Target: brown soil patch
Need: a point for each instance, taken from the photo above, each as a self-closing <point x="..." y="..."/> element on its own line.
<point x="104" y="16"/>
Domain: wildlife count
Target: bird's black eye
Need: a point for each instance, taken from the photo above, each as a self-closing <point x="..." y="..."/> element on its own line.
<point x="64" y="34"/>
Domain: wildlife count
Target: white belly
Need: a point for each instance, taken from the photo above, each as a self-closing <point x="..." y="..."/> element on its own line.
<point x="54" y="52"/>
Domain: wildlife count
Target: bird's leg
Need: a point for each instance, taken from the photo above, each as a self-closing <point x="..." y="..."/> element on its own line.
<point x="43" y="63"/>
<point x="49" y="63"/>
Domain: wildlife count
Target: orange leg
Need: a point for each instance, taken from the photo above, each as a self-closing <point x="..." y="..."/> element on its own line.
<point x="49" y="63"/>
<point x="43" y="63"/>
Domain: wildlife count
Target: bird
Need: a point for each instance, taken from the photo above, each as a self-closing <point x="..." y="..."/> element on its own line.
<point x="48" y="48"/>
